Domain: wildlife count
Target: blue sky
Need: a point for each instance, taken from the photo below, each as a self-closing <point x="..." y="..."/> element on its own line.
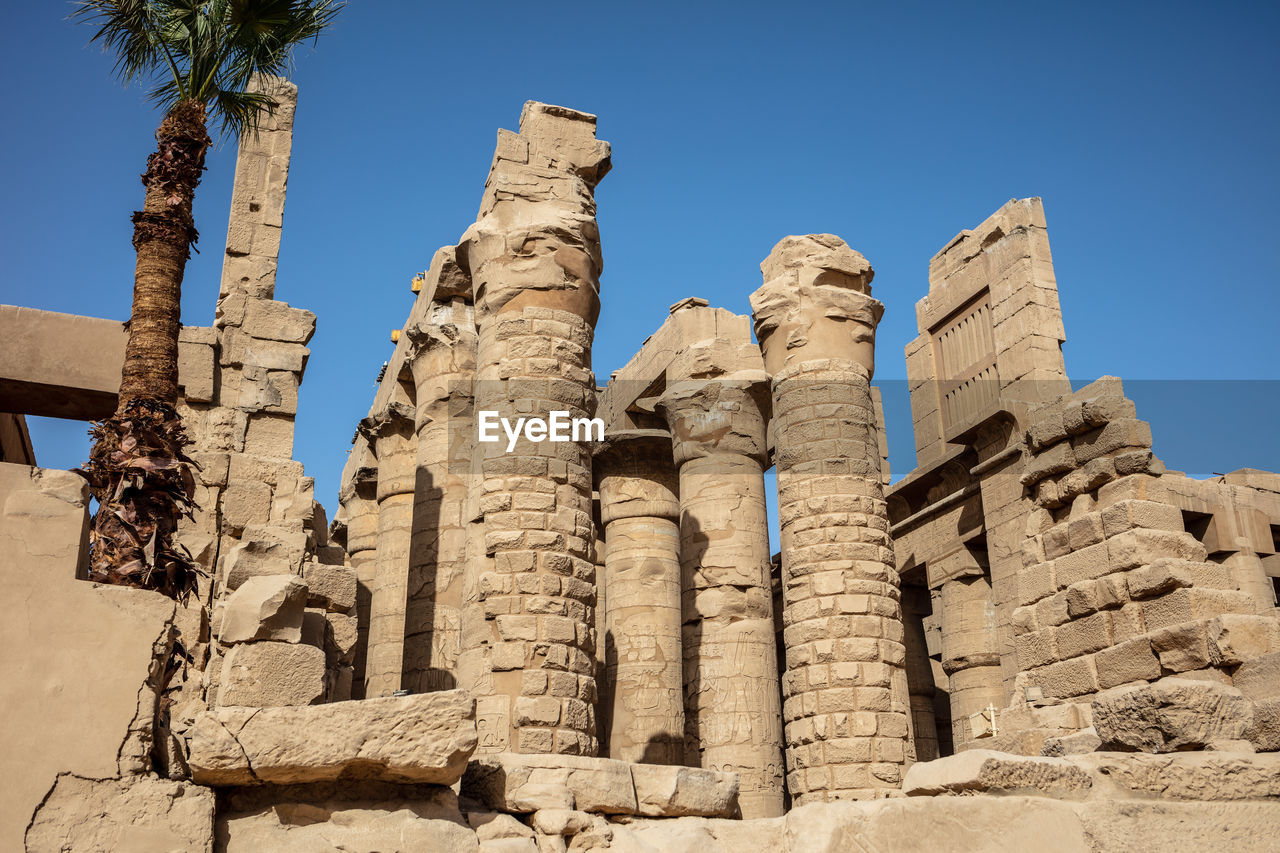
<point x="1150" y="130"/>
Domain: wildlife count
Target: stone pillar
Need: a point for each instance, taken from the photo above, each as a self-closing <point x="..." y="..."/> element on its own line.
<point x="534" y="260"/>
<point x="442" y="359"/>
<point x="969" y="654"/>
<point x="643" y="670"/>
<point x="359" y="500"/>
<point x="732" y="716"/>
<point x="391" y="433"/>
<point x="919" y="672"/>
<point x="845" y="704"/>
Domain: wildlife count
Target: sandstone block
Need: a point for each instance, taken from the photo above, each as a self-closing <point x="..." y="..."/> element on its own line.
<point x="1130" y="514"/>
<point x="330" y="587"/>
<point x="268" y="607"/>
<point x="1264" y="731"/>
<point x="1185" y="605"/>
<point x="264" y="550"/>
<point x="352" y="816"/>
<point x="342" y="636"/>
<point x="425" y="738"/>
<point x="1183" y="775"/>
<point x="244" y="503"/>
<point x="527" y="783"/>
<point x="1086" y="564"/>
<point x="270" y="674"/>
<point x="1170" y="715"/>
<point x="1236" y="637"/>
<point x="276" y="321"/>
<point x="1117" y="435"/>
<point x="1182" y="647"/>
<point x="1075" y="677"/>
<point x="1130" y="661"/>
<point x="671" y="791"/>
<point x="1076" y="743"/>
<point x="981" y="770"/>
<point x="560" y="821"/>
<point x="1259" y="678"/>
<point x="1140" y="547"/>
<point x="1157" y="579"/>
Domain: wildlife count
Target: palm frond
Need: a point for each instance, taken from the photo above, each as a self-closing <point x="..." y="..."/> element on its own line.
<point x="127" y="29"/>
<point x="214" y="50"/>
<point x="240" y="112"/>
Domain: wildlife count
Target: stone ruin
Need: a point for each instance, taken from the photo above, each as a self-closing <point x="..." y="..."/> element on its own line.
<point x="1038" y="638"/>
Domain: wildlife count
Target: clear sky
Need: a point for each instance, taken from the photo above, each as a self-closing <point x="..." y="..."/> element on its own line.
<point x="1151" y="130"/>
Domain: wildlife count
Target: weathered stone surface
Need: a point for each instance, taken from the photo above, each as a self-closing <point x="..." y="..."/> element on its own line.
<point x="983" y="771"/>
<point x="1077" y="743"/>
<point x="671" y="791"/>
<point x="356" y="817"/>
<point x="1264" y="731"/>
<point x="270" y="674"/>
<point x="1183" y="776"/>
<point x="1172" y="714"/>
<point x="497" y="826"/>
<point x="140" y="815"/>
<point x="268" y="607"/>
<point x="1259" y="678"/>
<point x="331" y="587"/>
<point x="950" y="823"/>
<point x="526" y="783"/>
<point x="422" y="738"/>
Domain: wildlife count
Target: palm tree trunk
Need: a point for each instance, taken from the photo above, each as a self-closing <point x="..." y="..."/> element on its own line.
<point x="137" y="468"/>
<point x="163" y="233"/>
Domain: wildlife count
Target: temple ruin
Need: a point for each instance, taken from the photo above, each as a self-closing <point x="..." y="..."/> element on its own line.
<point x="1039" y="637"/>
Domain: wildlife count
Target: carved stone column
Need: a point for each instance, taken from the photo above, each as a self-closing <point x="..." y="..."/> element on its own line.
<point x="845" y="705"/>
<point x="970" y="657"/>
<point x="732" y="714"/>
<point x="442" y="358"/>
<point x="359" y="500"/>
<point x="636" y="477"/>
<point x="534" y="260"/>
<point x="391" y="433"/>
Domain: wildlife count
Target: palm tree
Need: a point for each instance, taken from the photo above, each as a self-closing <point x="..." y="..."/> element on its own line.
<point x="199" y="58"/>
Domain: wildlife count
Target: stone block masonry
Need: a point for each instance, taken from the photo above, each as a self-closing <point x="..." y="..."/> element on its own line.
<point x="534" y="260"/>
<point x="846" y="700"/>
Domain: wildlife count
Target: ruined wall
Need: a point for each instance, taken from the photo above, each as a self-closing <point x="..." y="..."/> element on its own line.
<point x="80" y="689"/>
<point x="1115" y="590"/>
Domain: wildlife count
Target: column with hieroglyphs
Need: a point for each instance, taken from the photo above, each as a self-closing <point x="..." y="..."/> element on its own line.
<point x="639" y="507"/>
<point x="441" y="356"/>
<point x="846" y="705"/>
<point x="732" y="707"/>
<point x="390" y="431"/>
<point x="534" y="259"/>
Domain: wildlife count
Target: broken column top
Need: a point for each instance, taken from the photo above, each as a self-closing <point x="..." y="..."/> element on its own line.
<point x="559" y="134"/>
<point x="812" y="284"/>
<point x="815" y="259"/>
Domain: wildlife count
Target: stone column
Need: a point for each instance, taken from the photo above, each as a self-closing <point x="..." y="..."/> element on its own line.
<point x="359" y="500"/>
<point x="442" y="357"/>
<point x="969" y="654"/>
<point x="643" y="677"/>
<point x="391" y="432"/>
<point x="845" y="710"/>
<point x="534" y="259"/>
<point x="733" y="720"/>
<point x="919" y="672"/>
